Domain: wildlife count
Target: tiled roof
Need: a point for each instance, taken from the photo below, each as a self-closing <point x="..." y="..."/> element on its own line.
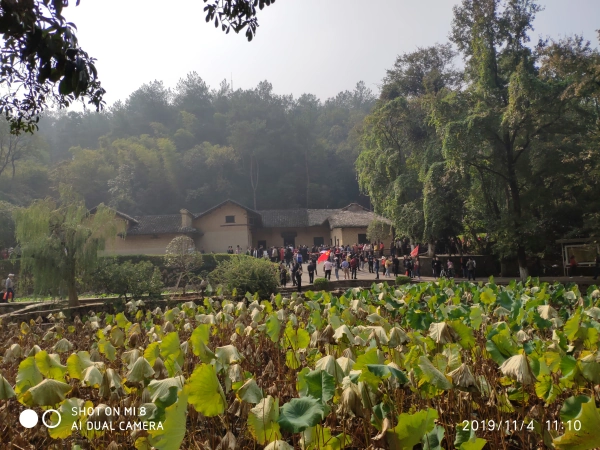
<point x="272" y="218"/>
<point x="354" y="219"/>
<point x="163" y="224"/>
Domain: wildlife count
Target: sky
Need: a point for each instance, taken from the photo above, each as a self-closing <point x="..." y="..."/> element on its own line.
<point x="320" y="47"/>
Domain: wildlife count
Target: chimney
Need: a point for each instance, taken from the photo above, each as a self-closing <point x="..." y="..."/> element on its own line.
<point x="186" y="218"/>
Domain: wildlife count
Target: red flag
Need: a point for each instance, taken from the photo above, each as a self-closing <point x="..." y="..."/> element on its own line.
<point x="415" y="252"/>
<point x="324" y="256"/>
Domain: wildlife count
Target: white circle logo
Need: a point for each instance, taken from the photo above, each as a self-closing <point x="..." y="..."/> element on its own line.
<point x="44" y="418"/>
<point x="28" y="418"/>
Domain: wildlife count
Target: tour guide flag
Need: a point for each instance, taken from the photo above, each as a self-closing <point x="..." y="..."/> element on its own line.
<point x="324" y="256"/>
<point x="415" y="252"/>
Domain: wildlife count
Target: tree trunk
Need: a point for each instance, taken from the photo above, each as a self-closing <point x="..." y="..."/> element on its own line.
<point x="73" y="298"/>
<point x="515" y="197"/>
<point x="431" y="248"/>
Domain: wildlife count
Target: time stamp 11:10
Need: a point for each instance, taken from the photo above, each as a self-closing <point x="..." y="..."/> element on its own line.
<point x="518" y="425"/>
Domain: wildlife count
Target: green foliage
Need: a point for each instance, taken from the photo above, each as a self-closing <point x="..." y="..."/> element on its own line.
<point x="182" y="256"/>
<point x="321" y="284"/>
<point x="403" y="279"/>
<point x="379" y="231"/>
<point x="60" y="241"/>
<point x="247" y="274"/>
<point x="126" y="279"/>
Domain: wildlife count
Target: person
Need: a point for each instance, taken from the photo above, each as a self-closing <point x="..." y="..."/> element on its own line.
<point x="597" y="269"/>
<point x="465" y="270"/>
<point x="417" y="268"/>
<point x="9" y="286"/>
<point x="572" y="266"/>
<point x="438" y="267"/>
<point x="311" y="271"/>
<point x="370" y="261"/>
<point x="396" y="265"/>
<point x="376" y="268"/>
<point x="388" y="266"/>
<point x="283" y="274"/>
<point x="354" y="266"/>
<point x="434" y="270"/>
<point x="471" y="269"/>
<point x="346" y="269"/>
<point x="299" y="276"/>
<point x="450" y="269"/>
<point x="327" y="268"/>
<point x="337" y="263"/>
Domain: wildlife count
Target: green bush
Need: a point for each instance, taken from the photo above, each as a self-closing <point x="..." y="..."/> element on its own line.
<point x="246" y="274"/>
<point x="321" y="284"/>
<point x="402" y="279"/>
<point x="127" y="279"/>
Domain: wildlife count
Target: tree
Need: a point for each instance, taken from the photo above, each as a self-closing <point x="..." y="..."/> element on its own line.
<point x="377" y="231"/>
<point x="401" y="165"/>
<point x="60" y="241"/>
<point x="508" y="121"/>
<point x="182" y="256"/>
<point x="41" y="62"/>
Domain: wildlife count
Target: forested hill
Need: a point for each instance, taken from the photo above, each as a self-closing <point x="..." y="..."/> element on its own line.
<point x="193" y="146"/>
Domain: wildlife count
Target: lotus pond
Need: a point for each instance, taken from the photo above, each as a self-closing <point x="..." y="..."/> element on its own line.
<point x="430" y="365"/>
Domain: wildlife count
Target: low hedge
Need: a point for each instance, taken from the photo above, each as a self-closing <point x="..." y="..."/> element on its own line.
<point x="402" y="279"/>
<point x="321" y="284"/>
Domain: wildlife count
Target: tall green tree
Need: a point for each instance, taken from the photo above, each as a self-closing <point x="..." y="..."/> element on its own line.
<point x="402" y="166"/>
<point x="60" y="241"/>
<point x="502" y="124"/>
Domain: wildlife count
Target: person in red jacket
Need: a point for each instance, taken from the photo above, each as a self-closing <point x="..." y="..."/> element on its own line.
<point x="353" y="267"/>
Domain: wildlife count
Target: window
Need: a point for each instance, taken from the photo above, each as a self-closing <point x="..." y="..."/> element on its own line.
<point x="250" y="220"/>
<point x="318" y="241"/>
<point x="362" y="239"/>
<point x="229" y="219"/>
<point x="262" y="244"/>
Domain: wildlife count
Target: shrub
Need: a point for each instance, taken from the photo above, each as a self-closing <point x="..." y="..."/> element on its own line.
<point x="128" y="279"/>
<point x="321" y="284"/>
<point x="183" y="258"/>
<point x="246" y="274"/>
<point x="402" y="279"/>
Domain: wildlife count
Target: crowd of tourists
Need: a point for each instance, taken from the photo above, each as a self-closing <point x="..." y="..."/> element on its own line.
<point x="346" y="261"/>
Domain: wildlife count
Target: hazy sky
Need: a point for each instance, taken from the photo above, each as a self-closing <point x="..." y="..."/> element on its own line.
<point x="302" y="46"/>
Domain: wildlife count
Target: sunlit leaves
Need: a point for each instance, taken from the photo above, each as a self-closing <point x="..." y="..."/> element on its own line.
<point x="205" y="392"/>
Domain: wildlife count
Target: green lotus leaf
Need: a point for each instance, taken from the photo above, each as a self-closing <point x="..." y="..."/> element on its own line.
<point x="201" y="334"/>
<point x="381" y="370"/>
<point x="159" y="389"/>
<point x="47" y="393"/>
<point x="330" y="365"/>
<point x="50" y="365"/>
<point x="28" y="375"/>
<point x="64" y="428"/>
<point x="6" y="390"/>
<point x="296" y="338"/>
<point x="77" y="363"/>
<point x="205" y="392"/>
<point x="433" y="439"/>
<point x="140" y="372"/>
<point x="107" y="349"/>
<point x="152" y="352"/>
<point x="319" y="437"/>
<point x="170" y="436"/>
<point x="111" y="383"/>
<point x="91" y="377"/>
<point x="228" y="355"/>
<point x="319" y="384"/>
<point x="262" y="421"/>
<point x="579" y="412"/>
<point x="250" y="392"/>
<point x="411" y="429"/>
<point x="130" y="357"/>
<point x="432" y="375"/>
<point x="301" y="413"/>
<point x="62" y="346"/>
<point x="273" y="327"/>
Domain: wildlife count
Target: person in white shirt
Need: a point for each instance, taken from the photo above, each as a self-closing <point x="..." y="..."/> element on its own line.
<point x="327" y="267"/>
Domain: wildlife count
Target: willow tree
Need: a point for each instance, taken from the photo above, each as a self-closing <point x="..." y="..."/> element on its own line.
<point x="60" y="241"/>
